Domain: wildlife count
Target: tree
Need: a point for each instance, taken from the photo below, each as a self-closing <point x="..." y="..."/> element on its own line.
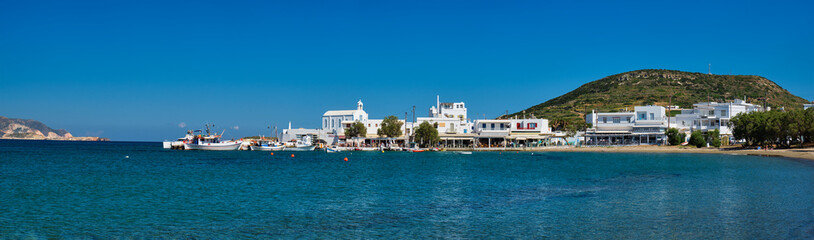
<point x="356" y="129"/>
<point x="774" y="127"/>
<point x="391" y="127"/>
<point x="714" y="138"/>
<point x="674" y="137"/>
<point x="426" y="135"/>
<point x="574" y="126"/>
<point x="697" y="139"/>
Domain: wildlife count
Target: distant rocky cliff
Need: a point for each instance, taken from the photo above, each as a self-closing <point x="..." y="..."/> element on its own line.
<point x="15" y="128"/>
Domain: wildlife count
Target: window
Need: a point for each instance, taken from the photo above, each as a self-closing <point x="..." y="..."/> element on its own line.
<point x="519" y="126"/>
<point x="617" y="120"/>
<point x="484" y="125"/>
<point x="493" y="126"/>
<point x="641" y="116"/>
<point x="723" y="113"/>
<point x="628" y="119"/>
<point x="652" y="116"/>
<point x="711" y="112"/>
<point x="532" y="125"/>
<point x="604" y="119"/>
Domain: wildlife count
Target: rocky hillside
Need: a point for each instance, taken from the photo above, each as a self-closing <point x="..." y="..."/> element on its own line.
<point x="658" y="87"/>
<point x="29" y="129"/>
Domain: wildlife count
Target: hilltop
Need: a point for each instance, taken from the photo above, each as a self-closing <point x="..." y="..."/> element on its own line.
<point x="657" y="87"/>
<point x="15" y="128"/>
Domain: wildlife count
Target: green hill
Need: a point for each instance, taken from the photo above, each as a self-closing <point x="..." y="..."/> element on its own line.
<point x="655" y="87"/>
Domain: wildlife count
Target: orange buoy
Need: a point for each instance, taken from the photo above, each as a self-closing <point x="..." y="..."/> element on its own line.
<point x="272" y="154"/>
<point x="292" y="155"/>
<point x="346" y="159"/>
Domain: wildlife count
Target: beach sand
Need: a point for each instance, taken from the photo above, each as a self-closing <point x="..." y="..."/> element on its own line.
<point x="801" y="153"/>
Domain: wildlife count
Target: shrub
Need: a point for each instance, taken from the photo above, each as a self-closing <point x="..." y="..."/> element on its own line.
<point x="714" y="138"/>
<point x="674" y="137"/>
<point x="697" y="139"/>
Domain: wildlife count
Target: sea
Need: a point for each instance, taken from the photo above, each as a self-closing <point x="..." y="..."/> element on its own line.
<point x="137" y="190"/>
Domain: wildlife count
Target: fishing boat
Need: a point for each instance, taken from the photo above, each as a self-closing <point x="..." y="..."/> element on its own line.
<point x="303" y="144"/>
<point x="268" y="145"/>
<point x="210" y="142"/>
<point x="263" y="145"/>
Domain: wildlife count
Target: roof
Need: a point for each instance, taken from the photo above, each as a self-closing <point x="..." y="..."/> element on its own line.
<point x="339" y="112"/>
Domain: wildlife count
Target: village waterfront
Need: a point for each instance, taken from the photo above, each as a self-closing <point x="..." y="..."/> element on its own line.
<point x="58" y="189"/>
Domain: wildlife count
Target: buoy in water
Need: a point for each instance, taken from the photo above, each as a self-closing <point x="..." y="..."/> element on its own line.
<point x="346" y="159"/>
<point x="272" y="154"/>
<point x="126" y="156"/>
<point x="292" y="155"/>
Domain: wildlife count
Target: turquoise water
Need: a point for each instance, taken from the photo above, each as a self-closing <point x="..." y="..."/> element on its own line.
<point x="92" y="190"/>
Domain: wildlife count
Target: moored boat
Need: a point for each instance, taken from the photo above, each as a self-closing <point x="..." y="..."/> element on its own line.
<point x="303" y="144"/>
<point x="266" y="145"/>
<point x="266" y="148"/>
<point x="210" y="142"/>
<point x="301" y="148"/>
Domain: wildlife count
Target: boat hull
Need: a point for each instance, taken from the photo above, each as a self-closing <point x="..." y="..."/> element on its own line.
<point x="267" y="148"/>
<point x="213" y="146"/>
<point x="303" y="148"/>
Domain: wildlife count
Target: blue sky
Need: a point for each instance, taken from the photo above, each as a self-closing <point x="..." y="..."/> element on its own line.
<point x="135" y="70"/>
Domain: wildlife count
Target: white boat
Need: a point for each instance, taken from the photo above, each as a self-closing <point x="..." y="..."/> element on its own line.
<point x="210" y="142"/>
<point x="266" y="145"/>
<point x="301" y="148"/>
<point x="303" y="144"/>
<point x="212" y="146"/>
<point x="266" y="148"/>
<point x="465" y="153"/>
<point x="332" y="150"/>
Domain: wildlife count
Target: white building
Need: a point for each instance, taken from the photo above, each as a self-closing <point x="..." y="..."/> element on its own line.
<point x="807" y="106"/>
<point x="708" y="116"/>
<point x="645" y="125"/>
<point x="335" y="120"/>
<point x="450" y="117"/>
<point x="511" y="132"/>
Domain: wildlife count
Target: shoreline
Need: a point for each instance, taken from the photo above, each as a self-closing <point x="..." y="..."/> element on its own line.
<point x="799" y="153"/>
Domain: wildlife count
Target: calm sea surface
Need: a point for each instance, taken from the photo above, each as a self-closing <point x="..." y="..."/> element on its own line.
<point x="92" y="190"/>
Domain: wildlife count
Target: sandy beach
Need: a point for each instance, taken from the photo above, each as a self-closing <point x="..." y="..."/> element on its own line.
<point x="801" y="153"/>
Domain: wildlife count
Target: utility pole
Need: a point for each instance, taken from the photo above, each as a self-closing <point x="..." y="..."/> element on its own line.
<point x="413" y="126"/>
<point x="405" y="130"/>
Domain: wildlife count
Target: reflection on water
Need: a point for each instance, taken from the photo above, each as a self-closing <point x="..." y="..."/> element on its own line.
<point x="88" y="190"/>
